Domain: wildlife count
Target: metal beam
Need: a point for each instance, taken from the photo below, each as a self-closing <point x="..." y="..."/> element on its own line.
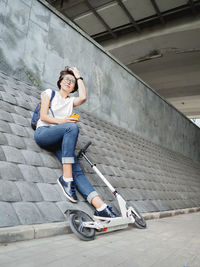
<point x="67" y="6"/>
<point x="129" y="15"/>
<point x="54" y="2"/>
<point x="192" y="6"/>
<point x="144" y="21"/>
<point x="61" y="4"/>
<point x="158" y="11"/>
<point x="100" y="18"/>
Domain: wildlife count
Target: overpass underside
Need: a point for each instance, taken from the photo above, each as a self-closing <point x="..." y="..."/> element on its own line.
<point x="168" y="59"/>
<point x="157" y="40"/>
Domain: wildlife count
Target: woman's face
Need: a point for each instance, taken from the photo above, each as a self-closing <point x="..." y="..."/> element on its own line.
<point x="68" y="83"/>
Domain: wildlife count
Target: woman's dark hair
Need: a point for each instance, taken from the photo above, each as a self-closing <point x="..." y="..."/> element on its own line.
<point x="65" y="72"/>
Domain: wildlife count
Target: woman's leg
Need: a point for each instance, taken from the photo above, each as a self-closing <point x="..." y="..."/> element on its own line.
<point x="86" y="189"/>
<point x="67" y="167"/>
<point x="67" y="170"/>
<point x="62" y="139"/>
<point x="64" y="136"/>
<point x="97" y="202"/>
<point x="82" y="183"/>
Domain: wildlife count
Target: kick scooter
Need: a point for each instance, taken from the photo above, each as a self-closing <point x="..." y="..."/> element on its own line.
<point x="85" y="227"/>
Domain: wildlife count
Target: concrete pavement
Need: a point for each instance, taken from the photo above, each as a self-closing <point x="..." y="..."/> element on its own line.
<point x="172" y="241"/>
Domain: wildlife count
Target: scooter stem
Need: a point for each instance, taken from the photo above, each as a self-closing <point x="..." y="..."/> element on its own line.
<point x="121" y="201"/>
<point x="112" y="189"/>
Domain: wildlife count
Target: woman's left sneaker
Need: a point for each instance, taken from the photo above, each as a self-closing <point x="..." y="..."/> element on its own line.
<point x="105" y="214"/>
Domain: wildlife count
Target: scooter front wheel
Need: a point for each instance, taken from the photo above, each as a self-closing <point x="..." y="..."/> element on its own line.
<point x="76" y="223"/>
<point x="139" y="220"/>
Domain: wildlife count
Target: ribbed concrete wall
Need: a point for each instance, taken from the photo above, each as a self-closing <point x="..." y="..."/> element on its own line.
<point x="147" y="175"/>
<point x="35" y="44"/>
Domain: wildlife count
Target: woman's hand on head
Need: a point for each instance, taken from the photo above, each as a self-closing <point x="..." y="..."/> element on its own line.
<point x="75" y="71"/>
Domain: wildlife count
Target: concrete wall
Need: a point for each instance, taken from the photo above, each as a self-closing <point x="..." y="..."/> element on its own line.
<point x="35" y="44"/>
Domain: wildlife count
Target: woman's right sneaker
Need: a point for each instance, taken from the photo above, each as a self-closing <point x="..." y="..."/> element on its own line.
<point x="105" y="214"/>
<point x="68" y="189"/>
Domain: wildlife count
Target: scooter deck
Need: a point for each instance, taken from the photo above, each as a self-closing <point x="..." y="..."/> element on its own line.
<point x="112" y="228"/>
<point x="109" y="225"/>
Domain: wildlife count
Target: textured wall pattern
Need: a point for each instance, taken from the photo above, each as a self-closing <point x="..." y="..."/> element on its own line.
<point x="147" y="175"/>
<point x="35" y="44"/>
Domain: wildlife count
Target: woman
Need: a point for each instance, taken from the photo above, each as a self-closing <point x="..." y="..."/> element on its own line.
<point x="58" y="132"/>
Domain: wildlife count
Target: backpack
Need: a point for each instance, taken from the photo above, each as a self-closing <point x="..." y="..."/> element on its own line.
<point x="36" y="113"/>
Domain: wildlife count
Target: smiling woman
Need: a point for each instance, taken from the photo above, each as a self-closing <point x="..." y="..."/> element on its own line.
<point x="67" y="72"/>
<point x="57" y="131"/>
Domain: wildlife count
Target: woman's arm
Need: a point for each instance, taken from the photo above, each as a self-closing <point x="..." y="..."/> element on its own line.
<point x="81" y="88"/>
<point x="82" y="94"/>
<point x="45" y="100"/>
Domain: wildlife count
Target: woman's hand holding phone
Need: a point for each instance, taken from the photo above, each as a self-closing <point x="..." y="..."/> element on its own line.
<point x="67" y="119"/>
<point x="72" y="119"/>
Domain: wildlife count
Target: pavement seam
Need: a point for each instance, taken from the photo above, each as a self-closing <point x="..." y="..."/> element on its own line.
<point x="30" y="232"/>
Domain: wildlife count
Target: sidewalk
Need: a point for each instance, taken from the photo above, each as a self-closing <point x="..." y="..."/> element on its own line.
<point x="168" y="242"/>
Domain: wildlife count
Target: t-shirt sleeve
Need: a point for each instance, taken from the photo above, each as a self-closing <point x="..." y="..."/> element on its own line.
<point x="48" y="92"/>
<point x="72" y="99"/>
<point x="72" y="102"/>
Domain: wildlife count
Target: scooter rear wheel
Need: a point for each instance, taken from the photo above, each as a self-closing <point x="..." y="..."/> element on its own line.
<point x="76" y="223"/>
<point x="139" y="221"/>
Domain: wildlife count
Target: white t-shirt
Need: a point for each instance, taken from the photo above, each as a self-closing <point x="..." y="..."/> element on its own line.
<point x="61" y="107"/>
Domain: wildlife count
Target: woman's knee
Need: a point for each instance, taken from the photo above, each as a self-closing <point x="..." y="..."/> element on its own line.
<point x="38" y="138"/>
<point x="70" y="127"/>
<point x="73" y="127"/>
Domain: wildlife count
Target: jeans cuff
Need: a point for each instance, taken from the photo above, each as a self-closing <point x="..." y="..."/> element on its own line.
<point x="67" y="160"/>
<point x="91" y="196"/>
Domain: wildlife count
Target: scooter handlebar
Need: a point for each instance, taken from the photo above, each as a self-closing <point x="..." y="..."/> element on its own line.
<point x="83" y="150"/>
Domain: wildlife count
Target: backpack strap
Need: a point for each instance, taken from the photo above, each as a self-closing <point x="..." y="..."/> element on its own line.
<point x="52" y="96"/>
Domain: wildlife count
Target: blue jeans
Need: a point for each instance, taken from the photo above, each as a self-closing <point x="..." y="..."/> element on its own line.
<point x="61" y="139"/>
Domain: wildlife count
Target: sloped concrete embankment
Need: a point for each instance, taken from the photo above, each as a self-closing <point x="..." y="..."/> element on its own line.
<point x="148" y="176"/>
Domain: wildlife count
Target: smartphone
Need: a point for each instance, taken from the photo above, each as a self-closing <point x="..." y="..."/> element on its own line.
<point x="74" y="115"/>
